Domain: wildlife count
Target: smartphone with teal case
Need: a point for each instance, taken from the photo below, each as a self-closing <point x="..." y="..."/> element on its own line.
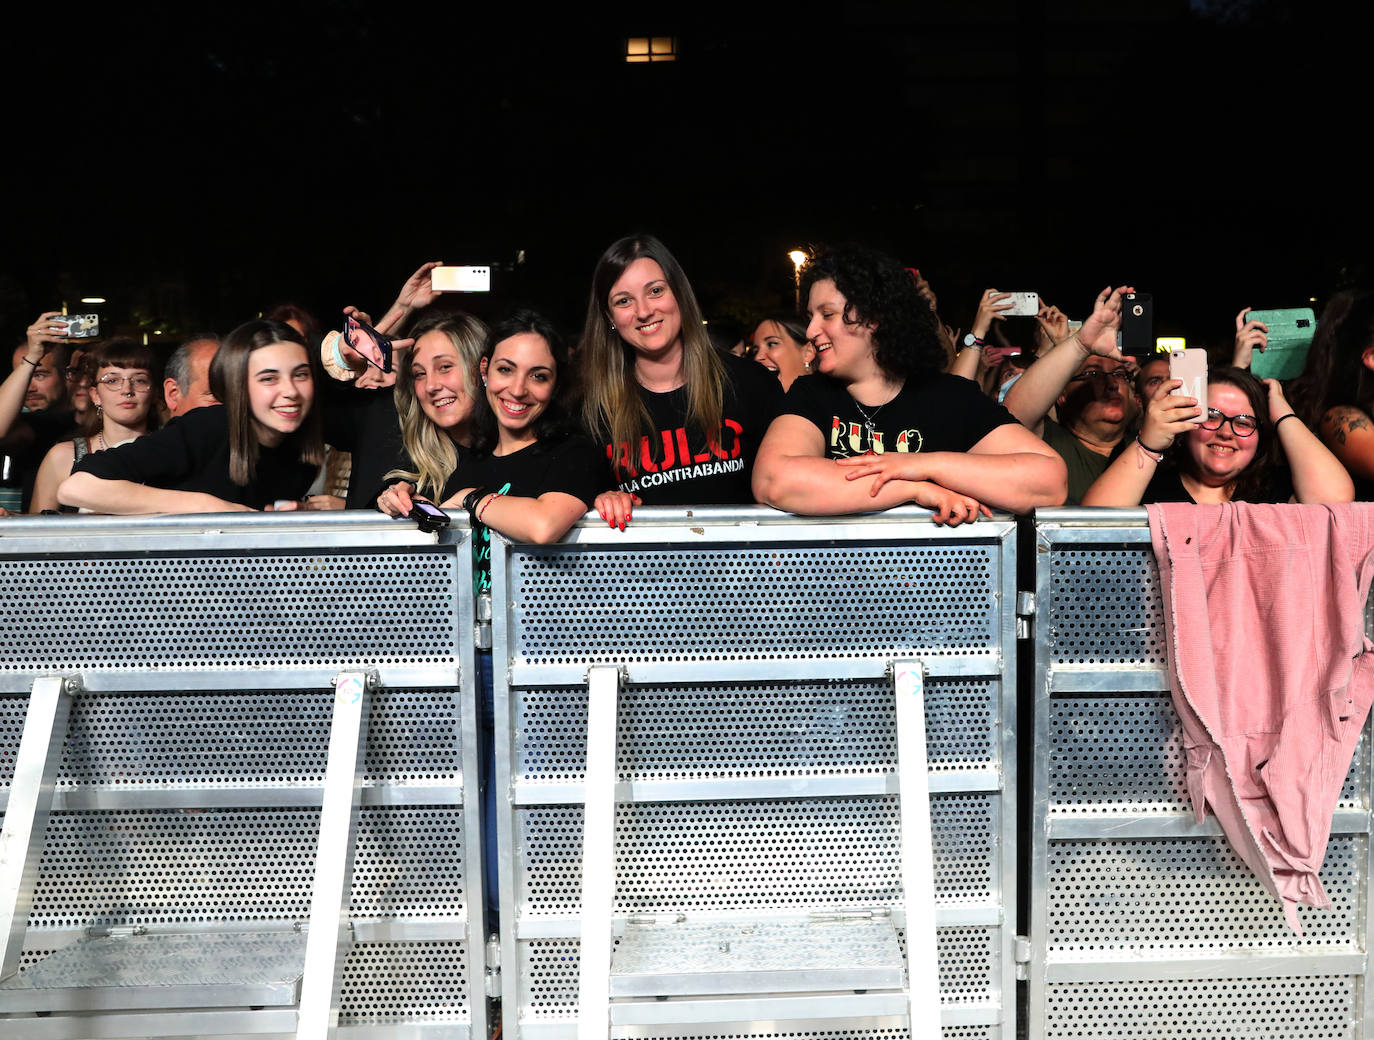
<point x="1290" y="336"/>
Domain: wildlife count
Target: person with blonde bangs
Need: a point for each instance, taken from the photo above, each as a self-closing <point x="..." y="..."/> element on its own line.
<point x="260" y="449"/>
<point x="781" y="347"/>
<point x="435" y="395"/>
<point x="679" y="421"/>
<point x="122" y="375"/>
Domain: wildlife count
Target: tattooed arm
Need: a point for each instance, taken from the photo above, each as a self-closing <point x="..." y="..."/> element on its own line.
<point x="1349" y="433"/>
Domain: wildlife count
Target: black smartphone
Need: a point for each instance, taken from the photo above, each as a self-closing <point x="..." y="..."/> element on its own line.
<point x="1137" y="325"/>
<point x="367" y="341"/>
<point x="429" y="516"/>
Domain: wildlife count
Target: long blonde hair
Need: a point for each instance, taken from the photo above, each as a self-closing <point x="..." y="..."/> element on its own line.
<point x="612" y="408"/>
<point x="430" y="448"/>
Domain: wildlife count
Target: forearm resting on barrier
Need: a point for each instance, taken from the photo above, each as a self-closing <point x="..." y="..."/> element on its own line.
<point x="541" y="520"/>
<point x="126" y="498"/>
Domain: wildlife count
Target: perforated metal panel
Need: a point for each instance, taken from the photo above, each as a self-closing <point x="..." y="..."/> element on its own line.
<point x="215" y="611"/>
<point x="1145" y="924"/>
<point x="835" y="728"/>
<point x="395" y="982"/>
<point x="779" y="855"/>
<point x="1301" y="1008"/>
<point x="231" y="738"/>
<point x="191" y="804"/>
<point x="768" y="602"/>
<point x="751" y="793"/>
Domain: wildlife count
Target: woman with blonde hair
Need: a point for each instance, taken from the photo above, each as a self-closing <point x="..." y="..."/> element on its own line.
<point x="680" y="422"/>
<point x="435" y="393"/>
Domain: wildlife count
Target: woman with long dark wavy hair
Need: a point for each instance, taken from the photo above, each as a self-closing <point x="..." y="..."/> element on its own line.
<point x="680" y="422"/>
<point x="881" y="407"/>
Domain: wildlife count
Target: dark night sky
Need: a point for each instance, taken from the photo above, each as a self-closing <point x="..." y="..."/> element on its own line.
<point x="195" y="173"/>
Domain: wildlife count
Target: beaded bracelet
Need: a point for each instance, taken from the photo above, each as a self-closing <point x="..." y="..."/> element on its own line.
<point x="483" y="507"/>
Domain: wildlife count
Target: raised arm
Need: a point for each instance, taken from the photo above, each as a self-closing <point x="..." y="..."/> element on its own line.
<point x="969" y="362"/>
<point x="41" y="334"/>
<point x="1168" y="415"/>
<point x="1035" y="393"/>
<point x="1251" y="335"/>
<point x="1318" y="475"/>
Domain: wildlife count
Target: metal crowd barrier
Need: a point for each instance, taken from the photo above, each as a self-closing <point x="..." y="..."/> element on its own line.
<point x="232" y="762"/>
<point x="1145" y="924"/>
<point x="711" y="780"/>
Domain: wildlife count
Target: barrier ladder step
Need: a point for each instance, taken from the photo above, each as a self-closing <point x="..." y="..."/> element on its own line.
<point x="681" y="959"/>
<point x="231" y="969"/>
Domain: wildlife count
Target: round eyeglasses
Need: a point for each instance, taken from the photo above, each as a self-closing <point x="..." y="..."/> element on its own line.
<point x="1241" y="425"/>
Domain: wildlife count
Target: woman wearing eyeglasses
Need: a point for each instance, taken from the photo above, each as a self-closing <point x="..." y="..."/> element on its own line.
<point x="1236" y="454"/>
<point x="120" y="377"/>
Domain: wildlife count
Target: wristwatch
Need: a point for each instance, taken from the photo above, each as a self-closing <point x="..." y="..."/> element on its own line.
<point x="970" y="340"/>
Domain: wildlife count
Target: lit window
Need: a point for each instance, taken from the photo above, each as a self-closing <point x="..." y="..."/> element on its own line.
<point x="650" y="48"/>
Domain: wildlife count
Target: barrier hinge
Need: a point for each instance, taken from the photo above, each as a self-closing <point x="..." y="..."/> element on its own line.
<point x="1023" y="958"/>
<point x="1025" y="612"/>
<point x="493" y="976"/>
<point x="481" y="629"/>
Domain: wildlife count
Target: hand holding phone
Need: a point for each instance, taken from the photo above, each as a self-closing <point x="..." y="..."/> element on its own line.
<point x="370" y="345"/>
<point x="1190" y="367"/>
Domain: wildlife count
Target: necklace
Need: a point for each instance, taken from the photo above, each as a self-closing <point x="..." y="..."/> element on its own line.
<point x="870" y="419"/>
<point x="101" y="437"/>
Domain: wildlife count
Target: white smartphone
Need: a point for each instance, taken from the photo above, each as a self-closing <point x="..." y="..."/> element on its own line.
<point x="1191" y="366"/>
<point x="460" y="279"/>
<point x="1023" y="304"/>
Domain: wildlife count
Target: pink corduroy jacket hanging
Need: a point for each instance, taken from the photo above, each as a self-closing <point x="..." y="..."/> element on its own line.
<point x="1270" y="670"/>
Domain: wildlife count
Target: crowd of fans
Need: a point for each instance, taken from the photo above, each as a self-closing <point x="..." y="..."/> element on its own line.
<point x="866" y="401"/>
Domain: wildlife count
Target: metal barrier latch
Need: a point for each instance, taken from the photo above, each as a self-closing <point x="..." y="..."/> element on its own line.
<point x="1025" y="612"/>
<point x="1023" y="958"/>
<point x="481" y="630"/>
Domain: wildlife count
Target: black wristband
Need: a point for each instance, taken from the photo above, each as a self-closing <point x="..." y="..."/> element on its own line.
<point x="1290" y="415"/>
<point x="470" y="501"/>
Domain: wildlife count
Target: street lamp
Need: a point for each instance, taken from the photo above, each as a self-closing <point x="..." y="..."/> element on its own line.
<point x="798" y="257"/>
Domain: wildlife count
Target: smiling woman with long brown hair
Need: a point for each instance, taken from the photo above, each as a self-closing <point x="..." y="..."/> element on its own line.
<point x="680" y="423"/>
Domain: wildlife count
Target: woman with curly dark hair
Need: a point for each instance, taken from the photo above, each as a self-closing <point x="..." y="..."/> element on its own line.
<point x="881" y="407"/>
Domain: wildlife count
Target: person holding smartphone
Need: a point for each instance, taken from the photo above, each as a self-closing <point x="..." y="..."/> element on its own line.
<point x="1249" y="446"/>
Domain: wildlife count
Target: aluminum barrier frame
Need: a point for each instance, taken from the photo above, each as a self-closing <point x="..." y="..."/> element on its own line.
<point x="1206" y="952"/>
<point x="538" y="950"/>
<point x="261" y="614"/>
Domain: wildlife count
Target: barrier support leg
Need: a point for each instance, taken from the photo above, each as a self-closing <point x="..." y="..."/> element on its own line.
<point x="329" y="939"/>
<point x="30" y="804"/>
<point x="918" y="873"/>
<point x="598" y="854"/>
